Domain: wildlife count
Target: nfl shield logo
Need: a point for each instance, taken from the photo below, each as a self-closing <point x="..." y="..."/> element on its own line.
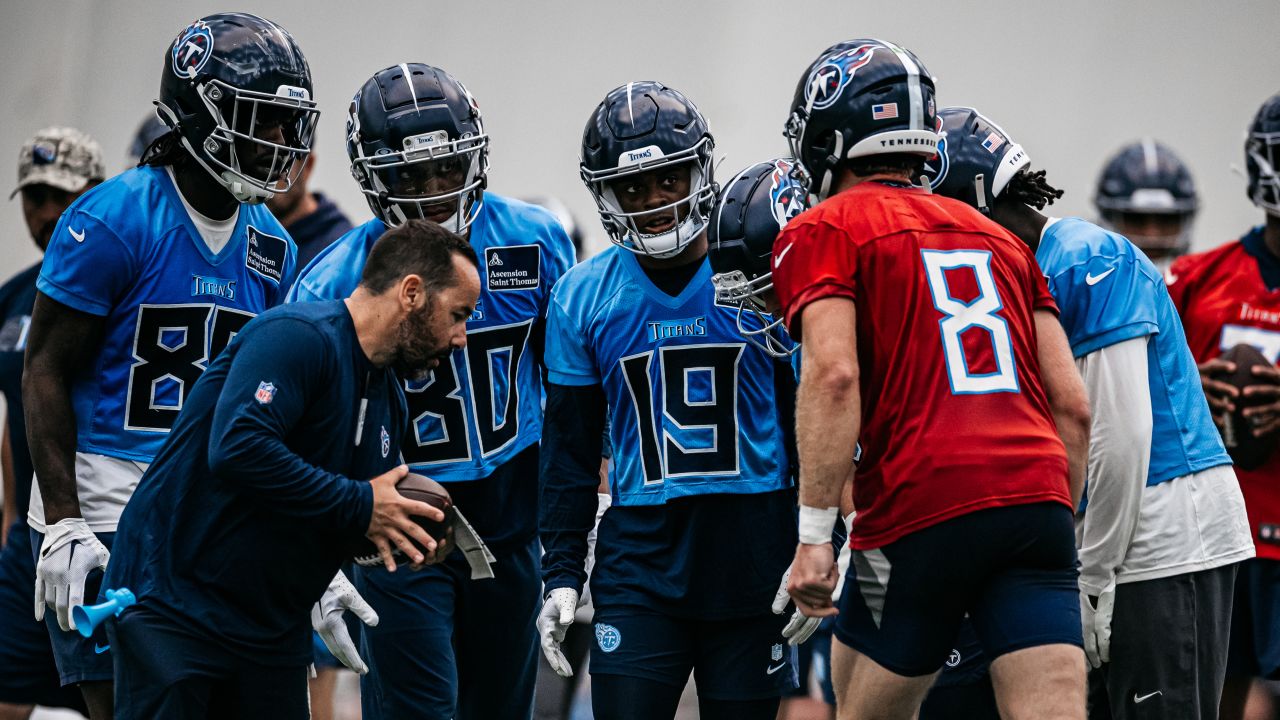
<point x="386" y="442"/>
<point x="776" y="652"/>
<point x="265" y="393"/>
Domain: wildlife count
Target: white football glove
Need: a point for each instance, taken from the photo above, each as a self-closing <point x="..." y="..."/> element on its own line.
<point x="800" y="627"/>
<point x="554" y="619"/>
<point x="1096" y="622"/>
<point x="70" y="552"/>
<point x="326" y="618"/>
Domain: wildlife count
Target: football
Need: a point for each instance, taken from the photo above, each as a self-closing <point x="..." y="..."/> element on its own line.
<point x="1248" y="451"/>
<point x="415" y="487"/>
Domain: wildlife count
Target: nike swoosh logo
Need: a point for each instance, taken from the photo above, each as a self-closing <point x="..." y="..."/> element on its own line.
<point x="778" y="260"/>
<point x="79" y="236"/>
<point x="1090" y="279"/>
<point x="773" y="670"/>
<point x="99" y="649"/>
<point x="1148" y="696"/>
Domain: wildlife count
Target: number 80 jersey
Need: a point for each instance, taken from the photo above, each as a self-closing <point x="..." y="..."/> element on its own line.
<point x="955" y="415"/>
<point x="694" y="408"/>
<point x="127" y="251"/>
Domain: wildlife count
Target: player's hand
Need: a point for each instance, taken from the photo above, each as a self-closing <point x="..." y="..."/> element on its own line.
<point x="392" y="524"/>
<point x="1264" y="418"/>
<point x="800" y="627"/>
<point x="1095" y="618"/>
<point x="326" y="618"/>
<point x="1221" y="395"/>
<point x="813" y="580"/>
<point x="70" y="552"/>
<point x="554" y="619"/>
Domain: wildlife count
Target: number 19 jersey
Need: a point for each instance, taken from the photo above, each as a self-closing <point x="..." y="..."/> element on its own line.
<point x="954" y="412"/>
<point x="694" y="409"/>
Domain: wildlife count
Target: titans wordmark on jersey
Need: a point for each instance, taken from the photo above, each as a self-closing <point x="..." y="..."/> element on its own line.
<point x="693" y="407"/>
<point x="483" y="406"/>
<point x="127" y="251"/>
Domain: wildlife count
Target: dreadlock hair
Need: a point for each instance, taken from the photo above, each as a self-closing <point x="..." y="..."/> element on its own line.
<point x="1031" y="188"/>
<point x="164" y="150"/>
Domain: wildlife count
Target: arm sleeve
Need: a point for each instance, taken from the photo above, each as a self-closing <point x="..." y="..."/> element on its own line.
<point x="1105" y="301"/>
<point x="247" y="442"/>
<point x="1115" y="379"/>
<point x="570" y="473"/>
<point x="567" y="358"/>
<point x="812" y="261"/>
<point x="87" y="267"/>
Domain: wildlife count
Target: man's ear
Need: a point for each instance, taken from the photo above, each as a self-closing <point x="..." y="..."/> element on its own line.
<point x="413" y="294"/>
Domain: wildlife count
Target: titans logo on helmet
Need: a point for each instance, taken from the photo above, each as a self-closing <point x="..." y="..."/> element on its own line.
<point x="935" y="169"/>
<point x="830" y="77"/>
<point x="785" y="194"/>
<point x="192" y="50"/>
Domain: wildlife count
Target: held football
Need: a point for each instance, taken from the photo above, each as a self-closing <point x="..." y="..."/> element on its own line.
<point x="1248" y="452"/>
<point x="415" y="487"/>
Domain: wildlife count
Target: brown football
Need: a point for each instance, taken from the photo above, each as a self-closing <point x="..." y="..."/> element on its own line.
<point x="414" y="487"/>
<point x="1248" y="451"/>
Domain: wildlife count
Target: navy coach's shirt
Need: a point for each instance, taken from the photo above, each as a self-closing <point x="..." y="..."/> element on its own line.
<point x="17" y="297"/>
<point x="262" y="488"/>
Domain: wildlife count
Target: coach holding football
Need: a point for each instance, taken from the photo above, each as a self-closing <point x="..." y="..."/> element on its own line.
<point x="262" y="490"/>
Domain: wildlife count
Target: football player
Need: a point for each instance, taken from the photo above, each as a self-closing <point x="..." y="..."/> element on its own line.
<point x="270" y="480"/>
<point x="448" y="645"/>
<point x="688" y="555"/>
<point x="1163" y="527"/>
<point x="55" y="167"/>
<point x="925" y="326"/>
<point x="1227" y="297"/>
<point x="1146" y="194"/>
<point x="147" y="278"/>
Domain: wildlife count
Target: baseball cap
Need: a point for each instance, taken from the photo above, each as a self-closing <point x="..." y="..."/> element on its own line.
<point x="60" y="157"/>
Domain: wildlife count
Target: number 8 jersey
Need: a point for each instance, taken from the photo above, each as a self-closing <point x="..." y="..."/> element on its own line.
<point x="955" y="417"/>
<point x="693" y="407"/>
<point x="129" y="251"/>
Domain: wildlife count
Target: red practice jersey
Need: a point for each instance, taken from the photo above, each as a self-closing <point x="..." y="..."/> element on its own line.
<point x="1224" y="301"/>
<point x="955" y="417"/>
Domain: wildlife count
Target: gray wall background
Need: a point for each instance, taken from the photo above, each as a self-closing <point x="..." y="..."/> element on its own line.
<point x="1070" y="80"/>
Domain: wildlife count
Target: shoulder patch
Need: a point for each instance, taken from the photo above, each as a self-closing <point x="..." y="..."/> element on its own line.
<point x="515" y="267"/>
<point x="265" y="254"/>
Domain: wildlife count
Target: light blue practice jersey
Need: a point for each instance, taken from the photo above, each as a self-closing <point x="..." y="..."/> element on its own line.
<point x="484" y="406"/>
<point x="694" y="407"/>
<point x="1108" y="292"/>
<point x="128" y="252"/>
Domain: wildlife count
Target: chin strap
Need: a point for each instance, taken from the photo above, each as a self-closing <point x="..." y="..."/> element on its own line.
<point x="244" y="192"/>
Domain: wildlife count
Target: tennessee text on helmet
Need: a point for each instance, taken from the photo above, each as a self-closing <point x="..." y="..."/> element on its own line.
<point x="417" y="146"/>
<point x="640" y="127"/>
<point x="227" y="78"/>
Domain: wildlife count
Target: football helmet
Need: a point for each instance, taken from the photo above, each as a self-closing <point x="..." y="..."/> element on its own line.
<point x="418" y="147"/>
<point x="225" y="77"/>
<point x="1260" y="156"/>
<point x="859" y="98"/>
<point x="1147" y="178"/>
<point x="752" y="208"/>
<point x="976" y="158"/>
<point x="639" y="127"/>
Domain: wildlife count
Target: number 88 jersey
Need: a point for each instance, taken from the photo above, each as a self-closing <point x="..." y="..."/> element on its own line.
<point x="955" y="417"/>
<point x="128" y="251"/>
<point x="694" y="408"/>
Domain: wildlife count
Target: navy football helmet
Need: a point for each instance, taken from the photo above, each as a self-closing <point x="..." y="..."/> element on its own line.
<point x="1146" y="178"/>
<point x="226" y="76"/>
<point x="642" y="126"/>
<point x="1260" y="156"/>
<point x="752" y="208"/>
<point x="976" y="158"/>
<point x="418" y="147"/>
<point x="860" y="98"/>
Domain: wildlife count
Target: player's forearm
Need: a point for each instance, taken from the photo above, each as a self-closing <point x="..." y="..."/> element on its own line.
<point x="569" y="477"/>
<point x="828" y="415"/>
<point x="1068" y="401"/>
<point x="51" y="435"/>
<point x="1115" y="379"/>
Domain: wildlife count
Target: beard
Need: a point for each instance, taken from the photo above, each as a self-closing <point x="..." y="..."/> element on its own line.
<point x="418" y="349"/>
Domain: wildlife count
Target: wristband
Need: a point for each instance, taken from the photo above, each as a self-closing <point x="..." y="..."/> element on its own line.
<point x="816" y="524"/>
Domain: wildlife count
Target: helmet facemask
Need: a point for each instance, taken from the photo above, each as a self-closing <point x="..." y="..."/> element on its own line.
<point x="398" y="184"/>
<point x="1264" y="182"/>
<point x="692" y="211"/>
<point x="733" y="289"/>
<point x="236" y="115"/>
